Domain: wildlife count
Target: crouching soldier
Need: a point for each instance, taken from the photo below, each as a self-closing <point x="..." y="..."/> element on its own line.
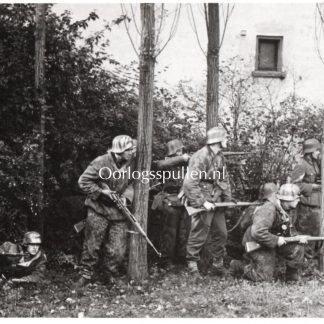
<point x="270" y="225"/>
<point x="106" y="227"/>
<point x="25" y="263"/>
<point x="266" y="191"/>
<point x="174" y="218"/>
<point x="207" y="182"/>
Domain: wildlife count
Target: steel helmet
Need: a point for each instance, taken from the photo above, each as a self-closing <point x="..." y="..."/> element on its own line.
<point x="288" y="192"/>
<point x="32" y="238"/>
<point x="121" y="143"/>
<point x="311" y="145"/>
<point x="173" y="146"/>
<point x="216" y="135"/>
<point x="267" y="190"/>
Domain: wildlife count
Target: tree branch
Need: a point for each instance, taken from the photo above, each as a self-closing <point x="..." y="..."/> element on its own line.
<point x="124" y="11"/>
<point x="194" y="28"/>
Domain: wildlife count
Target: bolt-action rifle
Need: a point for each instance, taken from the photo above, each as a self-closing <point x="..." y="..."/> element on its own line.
<point x="228" y="153"/>
<point x="125" y="211"/>
<point x="120" y="204"/>
<point x="254" y="246"/>
<point x="192" y="210"/>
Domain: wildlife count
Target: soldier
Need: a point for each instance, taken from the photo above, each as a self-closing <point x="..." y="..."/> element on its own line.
<point x="106" y="226"/>
<point x="25" y="263"/>
<point x="206" y="183"/>
<point x="267" y="190"/>
<point x="307" y="175"/>
<point x="175" y="225"/>
<point x="270" y="225"/>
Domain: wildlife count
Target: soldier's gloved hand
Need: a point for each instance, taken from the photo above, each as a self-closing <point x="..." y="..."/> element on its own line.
<point x="108" y="193"/>
<point x="186" y="157"/>
<point x="233" y="200"/>
<point x="303" y="240"/>
<point x="281" y="241"/>
<point x="208" y="205"/>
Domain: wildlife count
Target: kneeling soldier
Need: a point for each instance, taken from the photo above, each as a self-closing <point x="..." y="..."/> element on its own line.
<point x="24" y="263"/>
<point x="270" y="225"/>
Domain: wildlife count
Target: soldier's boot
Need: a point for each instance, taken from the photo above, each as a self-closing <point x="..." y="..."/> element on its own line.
<point x="236" y="268"/>
<point x="82" y="282"/>
<point x="218" y="268"/>
<point x="292" y="274"/>
<point x="193" y="267"/>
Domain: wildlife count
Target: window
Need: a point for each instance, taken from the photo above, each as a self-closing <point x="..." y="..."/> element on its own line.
<point x="268" y="58"/>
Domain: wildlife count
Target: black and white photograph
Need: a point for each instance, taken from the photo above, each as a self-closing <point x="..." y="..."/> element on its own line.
<point x="161" y="160"/>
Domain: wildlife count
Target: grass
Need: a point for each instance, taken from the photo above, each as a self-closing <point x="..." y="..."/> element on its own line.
<point x="165" y="294"/>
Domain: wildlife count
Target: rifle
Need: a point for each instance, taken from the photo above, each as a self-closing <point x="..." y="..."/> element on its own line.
<point x="254" y="246"/>
<point x="120" y="204"/>
<point x="192" y="211"/>
<point x="228" y="153"/>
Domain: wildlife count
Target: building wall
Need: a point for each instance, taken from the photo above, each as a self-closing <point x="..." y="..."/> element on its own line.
<point x="296" y="23"/>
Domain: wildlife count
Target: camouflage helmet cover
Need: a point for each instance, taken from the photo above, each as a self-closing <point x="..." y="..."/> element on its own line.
<point x="173" y="146"/>
<point x="311" y="145"/>
<point x="215" y="135"/>
<point x="121" y="143"/>
<point x="288" y="192"/>
<point x="32" y="238"/>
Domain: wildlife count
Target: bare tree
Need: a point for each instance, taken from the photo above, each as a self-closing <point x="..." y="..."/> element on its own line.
<point x="319" y="36"/>
<point x="321" y="252"/>
<point x="319" y="30"/>
<point x="215" y="40"/>
<point x="151" y="46"/>
<point x="212" y="24"/>
<point x="138" y="255"/>
<point x="40" y="96"/>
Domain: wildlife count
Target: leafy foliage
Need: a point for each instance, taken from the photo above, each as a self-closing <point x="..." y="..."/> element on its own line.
<point x="87" y="105"/>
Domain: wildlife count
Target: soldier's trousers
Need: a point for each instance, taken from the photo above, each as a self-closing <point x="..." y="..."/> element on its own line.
<point x="202" y="224"/>
<point x="263" y="262"/>
<point x="106" y="236"/>
<point x="175" y="224"/>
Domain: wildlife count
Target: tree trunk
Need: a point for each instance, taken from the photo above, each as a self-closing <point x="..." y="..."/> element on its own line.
<point x="321" y="254"/>
<point x="40" y="97"/>
<point x="138" y="248"/>
<point x="212" y="65"/>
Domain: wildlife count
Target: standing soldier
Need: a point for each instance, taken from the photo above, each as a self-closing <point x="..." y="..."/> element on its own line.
<point x="270" y="225"/>
<point x="206" y="183"/>
<point x="105" y="225"/>
<point x="174" y="231"/>
<point x="307" y="175"/>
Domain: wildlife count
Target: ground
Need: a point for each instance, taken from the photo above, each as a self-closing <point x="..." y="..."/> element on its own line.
<point x="165" y="294"/>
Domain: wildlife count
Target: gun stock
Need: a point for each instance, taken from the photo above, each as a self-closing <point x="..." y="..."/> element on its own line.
<point x="252" y="246"/>
<point x="78" y="227"/>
